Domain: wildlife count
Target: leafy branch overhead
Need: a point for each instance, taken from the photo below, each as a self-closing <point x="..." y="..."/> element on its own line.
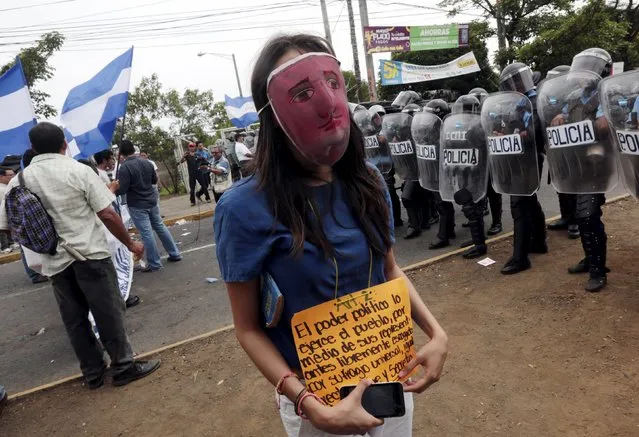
<point x="35" y="62"/>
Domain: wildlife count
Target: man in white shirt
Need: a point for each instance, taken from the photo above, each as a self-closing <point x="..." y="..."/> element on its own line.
<point x="83" y="277"/>
<point x="145" y="156"/>
<point x="243" y="153"/>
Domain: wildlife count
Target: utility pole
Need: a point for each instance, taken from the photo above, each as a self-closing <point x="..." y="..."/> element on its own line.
<point x="358" y="76"/>
<point x="237" y="76"/>
<point x="327" y="26"/>
<point x="370" y="68"/>
<point x="501" y="30"/>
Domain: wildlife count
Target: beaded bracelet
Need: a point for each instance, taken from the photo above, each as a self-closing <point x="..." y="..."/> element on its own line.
<point x="297" y="399"/>
<point x="280" y="383"/>
<point x="308" y="394"/>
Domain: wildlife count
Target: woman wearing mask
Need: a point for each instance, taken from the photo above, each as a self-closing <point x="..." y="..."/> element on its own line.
<point x="312" y="206"/>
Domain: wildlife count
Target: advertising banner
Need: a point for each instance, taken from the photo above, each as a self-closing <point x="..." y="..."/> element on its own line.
<point x="378" y="39"/>
<point x="398" y="73"/>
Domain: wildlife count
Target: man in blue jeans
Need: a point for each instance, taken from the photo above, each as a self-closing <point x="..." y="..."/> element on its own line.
<point x="136" y="178"/>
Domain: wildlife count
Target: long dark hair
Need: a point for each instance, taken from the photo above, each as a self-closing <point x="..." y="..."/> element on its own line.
<point x="281" y="176"/>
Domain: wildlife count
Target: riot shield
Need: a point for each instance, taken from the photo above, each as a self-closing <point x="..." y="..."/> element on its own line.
<point x="463" y="163"/>
<point x="425" y="131"/>
<point x="396" y="130"/>
<point x="375" y="145"/>
<point x="508" y="121"/>
<point x="620" y="102"/>
<point x="579" y="146"/>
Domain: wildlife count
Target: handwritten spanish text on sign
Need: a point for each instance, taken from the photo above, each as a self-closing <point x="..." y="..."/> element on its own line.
<point x="367" y="334"/>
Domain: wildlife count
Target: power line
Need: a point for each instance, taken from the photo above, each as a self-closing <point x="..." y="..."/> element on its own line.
<point x="37" y="5"/>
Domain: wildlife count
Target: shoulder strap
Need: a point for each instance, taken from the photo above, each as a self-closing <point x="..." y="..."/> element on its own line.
<point x="21" y="178"/>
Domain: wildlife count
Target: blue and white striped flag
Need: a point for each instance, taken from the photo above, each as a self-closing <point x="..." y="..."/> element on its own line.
<point x="91" y="110"/>
<point x="16" y="112"/>
<point x="241" y="111"/>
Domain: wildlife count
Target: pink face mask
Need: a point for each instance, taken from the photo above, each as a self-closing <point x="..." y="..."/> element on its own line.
<point x="308" y="97"/>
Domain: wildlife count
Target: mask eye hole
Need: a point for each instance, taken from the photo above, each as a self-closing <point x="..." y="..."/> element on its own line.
<point x="303" y="96"/>
<point x="333" y="83"/>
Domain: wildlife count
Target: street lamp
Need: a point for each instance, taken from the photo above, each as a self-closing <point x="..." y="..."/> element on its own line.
<point x="225" y="56"/>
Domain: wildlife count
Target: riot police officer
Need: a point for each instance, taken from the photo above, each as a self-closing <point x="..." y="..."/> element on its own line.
<point x="586" y="163"/>
<point x="528" y="217"/>
<point x="567" y="202"/>
<point x="463" y="169"/>
<point x="493" y="198"/>
<point x="445" y="209"/>
<point x="416" y="200"/>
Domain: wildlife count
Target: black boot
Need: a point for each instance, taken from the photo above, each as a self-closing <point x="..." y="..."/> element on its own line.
<point x="476" y="251"/>
<point x="494" y="229"/>
<point x="598" y="269"/>
<point x="582" y="266"/>
<point x="573" y="231"/>
<point x="521" y="236"/>
<point x="558" y="225"/>
<point x="414" y="228"/>
<point x="475" y="216"/>
<point x="495" y="201"/>
<point x="439" y="244"/>
<point x="538" y="242"/>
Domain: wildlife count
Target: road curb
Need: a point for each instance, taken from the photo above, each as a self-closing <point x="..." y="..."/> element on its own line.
<point x="15" y="256"/>
<point x="227" y="328"/>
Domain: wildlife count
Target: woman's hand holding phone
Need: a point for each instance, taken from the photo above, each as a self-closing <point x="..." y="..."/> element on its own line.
<point x="348" y="417"/>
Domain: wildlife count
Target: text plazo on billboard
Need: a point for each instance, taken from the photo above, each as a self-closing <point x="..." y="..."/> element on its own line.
<point x="366" y="334"/>
<point x="378" y="39"/>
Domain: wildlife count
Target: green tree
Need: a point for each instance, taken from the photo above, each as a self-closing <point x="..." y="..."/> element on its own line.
<point x="613" y="27"/>
<point x="486" y="78"/>
<point x="516" y="20"/>
<point x="35" y="62"/>
<point x="594" y="25"/>
<point x="156" y="117"/>
<point x="351" y="87"/>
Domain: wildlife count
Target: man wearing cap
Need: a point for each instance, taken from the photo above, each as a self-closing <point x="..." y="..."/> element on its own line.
<point x="243" y="153"/>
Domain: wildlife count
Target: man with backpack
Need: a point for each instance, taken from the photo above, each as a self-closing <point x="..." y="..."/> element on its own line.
<point x="54" y="208"/>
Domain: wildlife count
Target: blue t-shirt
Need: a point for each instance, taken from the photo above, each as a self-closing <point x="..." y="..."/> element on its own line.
<point x="250" y="242"/>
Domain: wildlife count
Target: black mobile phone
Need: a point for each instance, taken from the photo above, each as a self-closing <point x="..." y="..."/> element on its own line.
<point x="385" y="399"/>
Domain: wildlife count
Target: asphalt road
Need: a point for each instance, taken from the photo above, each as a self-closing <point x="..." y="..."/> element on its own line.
<point x="177" y="302"/>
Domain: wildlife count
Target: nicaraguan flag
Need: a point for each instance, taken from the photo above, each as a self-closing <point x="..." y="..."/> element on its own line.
<point x="72" y="145"/>
<point x="91" y="110"/>
<point x="16" y="112"/>
<point x="241" y="111"/>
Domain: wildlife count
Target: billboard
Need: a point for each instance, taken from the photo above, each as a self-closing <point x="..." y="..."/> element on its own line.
<point x="379" y="39"/>
<point x="398" y="73"/>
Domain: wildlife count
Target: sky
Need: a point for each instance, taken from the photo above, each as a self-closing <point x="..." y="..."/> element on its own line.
<point x="167" y="35"/>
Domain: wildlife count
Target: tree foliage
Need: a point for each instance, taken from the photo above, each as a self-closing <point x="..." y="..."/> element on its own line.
<point x="35" y="62"/>
<point x="517" y="20"/>
<point x="486" y="78"/>
<point x="351" y="86"/>
<point x="155" y="117"/>
<point x="610" y="26"/>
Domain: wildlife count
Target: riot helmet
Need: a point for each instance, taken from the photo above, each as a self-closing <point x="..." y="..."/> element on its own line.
<point x="412" y="108"/>
<point x="466" y="104"/>
<point x="516" y="77"/>
<point x="480" y="93"/>
<point x="536" y="77"/>
<point x="558" y="70"/>
<point x="378" y="109"/>
<point x="438" y="107"/>
<point x="594" y="59"/>
<point x="355" y="107"/>
<point x="405" y="98"/>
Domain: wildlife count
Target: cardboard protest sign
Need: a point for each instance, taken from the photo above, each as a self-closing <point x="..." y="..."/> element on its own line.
<point x="367" y="334"/>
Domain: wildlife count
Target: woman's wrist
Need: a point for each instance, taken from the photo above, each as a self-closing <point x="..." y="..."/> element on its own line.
<point x="313" y="409"/>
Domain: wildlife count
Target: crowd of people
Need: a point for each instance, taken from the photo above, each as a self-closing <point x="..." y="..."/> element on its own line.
<point x="321" y="205"/>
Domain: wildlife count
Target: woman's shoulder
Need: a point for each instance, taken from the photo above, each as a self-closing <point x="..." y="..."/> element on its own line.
<point x="243" y="198"/>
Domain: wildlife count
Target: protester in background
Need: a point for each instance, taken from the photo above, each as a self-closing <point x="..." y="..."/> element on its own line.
<point x="144" y="155"/>
<point x="6" y="174"/>
<point x="221" y="172"/>
<point x="283" y="221"/>
<point x="203" y="173"/>
<point x="136" y="178"/>
<point x="83" y="275"/>
<point x="193" y="168"/>
<point x="243" y="153"/>
<point x="3" y="397"/>
<point x="132" y="300"/>
<point x="105" y="162"/>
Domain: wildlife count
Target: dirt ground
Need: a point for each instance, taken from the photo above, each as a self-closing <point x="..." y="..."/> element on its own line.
<point x="530" y="355"/>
